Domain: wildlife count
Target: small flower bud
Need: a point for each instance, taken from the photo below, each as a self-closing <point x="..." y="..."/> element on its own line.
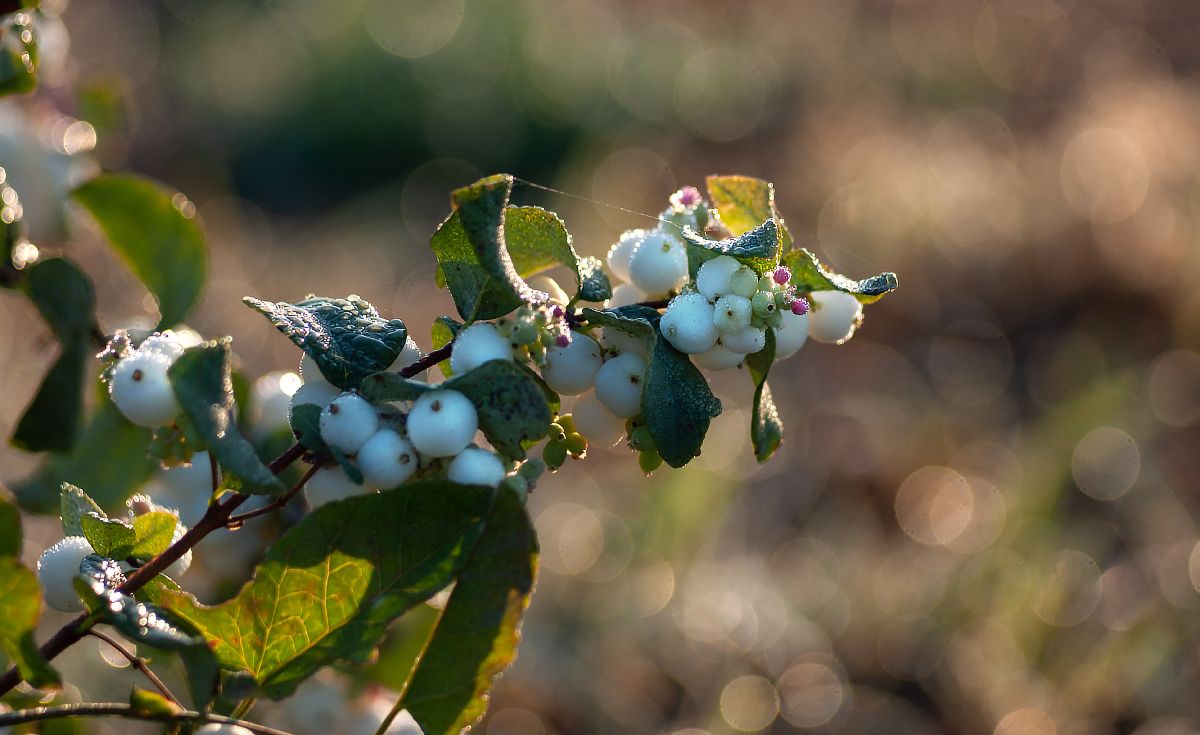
<point x="782" y="274"/>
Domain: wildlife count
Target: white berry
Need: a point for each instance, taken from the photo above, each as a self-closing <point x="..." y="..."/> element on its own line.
<point x="619" y="384"/>
<point x="387" y="459"/>
<point x="745" y="341"/>
<point x="317" y="394"/>
<point x="688" y="323"/>
<point x="57" y="569"/>
<point x="162" y="343"/>
<point x="310" y="372"/>
<point x="348" y="421"/>
<point x="572" y="369"/>
<point x="188" y="488"/>
<point x="442" y="423"/>
<point x="475" y="466"/>
<point x="142" y="391"/>
<point x="329" y="484"/>
<point x="180" y="566"/>
<point x="409" y="354"/>
<point x="714" y="276"/>
<point x="621" y="253"/>
<point x="597" y="424"/>
<point x="791" y="334"/>
<point x="719" y="357"/>
<point x="551" y="287"/>
<point x="625" y="294"/>
<point x="618" y="341"/>
<point x="833" y="317"/>
<point x="218" y="728"/>
<point x="479" y="343"/>
<point x="732" y="313"/>
<point x="659" y="264"/>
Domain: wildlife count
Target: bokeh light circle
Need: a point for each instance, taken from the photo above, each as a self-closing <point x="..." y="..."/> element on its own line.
<point x="1106" y="463"/>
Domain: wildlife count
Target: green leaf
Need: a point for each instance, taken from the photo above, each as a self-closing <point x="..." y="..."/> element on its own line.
<point x="109" y="458"/>
<point x="677" y="403"/>
<point x="511" y="404"/>
<point x="146" y="702"/>
<point x="593" y="281"/>
<point x="757" y="248"/>
<point x="74" y="505"/>
<point x="330" y="586"/>
<point x="10" y="528"/>
<point x="64" y="296"/>
<point x="477" y="633"/>
<point x="744" y="203"/>
<point x="152" y="229"/>
<point x="100" y="574"/>
<point x="306" y="425"/>
<point x="766" y="428"/>
<point x="471" y="252"/>
<point x="346" y="337"/>
<point x="18" y="55"/>
<point x="201" y="380"/>
<point x="808" y="274"/>
<point x="146" y="537"/>
<point x="20" y="608"/>
<point x="538" y="240"/>
<point x="443" y="331"/>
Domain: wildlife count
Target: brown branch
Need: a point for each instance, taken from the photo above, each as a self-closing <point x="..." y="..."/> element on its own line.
<point x="428" y="361"/>
<point x="127" y="712"/>
<point x="138" y="663"/>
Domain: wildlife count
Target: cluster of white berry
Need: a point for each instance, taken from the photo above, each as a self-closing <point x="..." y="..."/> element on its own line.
<point x="388" y="443"/>
<point x="138" y="382"/>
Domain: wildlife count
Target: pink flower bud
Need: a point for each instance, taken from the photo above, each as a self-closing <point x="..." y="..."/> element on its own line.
<point x="689" y="196"/>
<point x="782" y="275"/>
<point x="563" y="340"/>
<point x="558" y="312"/>
<point x="800" y="307"/>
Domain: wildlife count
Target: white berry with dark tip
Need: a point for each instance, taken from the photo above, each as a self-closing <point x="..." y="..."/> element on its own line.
<point x="387" y="459"/>
<point x="659" y="264"/>
<point x="348" y="422"/>
<point x="688" y="323"/>
<point x="714" y="278"/>
<point x="572" y="369"/>
<point x="619" y="384"/>
<point x="442" y="423"/>
<point x="142" y="391"/>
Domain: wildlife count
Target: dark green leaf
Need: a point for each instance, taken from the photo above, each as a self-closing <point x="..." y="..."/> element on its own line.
<point x="328" y="589"/>
<point x="471" y="252"/>
<point x="152" y="229"/>
<point x="477" y="634"/>
<point x="10" y="528"/>
<point x="20" y="608"/>
<point x="757" y="248"/>
<point x="200" y="378"/>
<point x="677" y="403"/>
<point x="73" y="505"/>
<point x="18" y="55"/>
<point x="808" y="274"/>
<point x="593" y="281"/>
<point x="306" y="424"/>
<point x="109" y="458"/>
<point x="510" y="401"/>
<point x="101" y="574"/>
<point x="766" y="428"/>
<point x="744" y="203"/>
<point x="346" y="337"/>
<point x="65" y="298"/>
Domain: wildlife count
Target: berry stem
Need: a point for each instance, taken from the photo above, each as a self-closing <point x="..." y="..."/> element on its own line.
<point x="127" y="712"/>
<point x="279" y="502"/>
<point x="217" y="516"/>
<point x="138" y="663"/>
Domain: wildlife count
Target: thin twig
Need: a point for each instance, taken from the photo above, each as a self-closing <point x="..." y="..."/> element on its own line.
<point x="428" y="361"/>
<point x="278" y="502"/>
<point x="138" y="663"/>
<point x="127" y="712"/>
<point x="215" y="471"/>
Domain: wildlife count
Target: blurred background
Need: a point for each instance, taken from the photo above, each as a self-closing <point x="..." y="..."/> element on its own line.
<point x="983" y="515"/>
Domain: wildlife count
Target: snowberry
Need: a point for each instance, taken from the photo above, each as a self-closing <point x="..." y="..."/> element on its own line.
<point x="790" y="335"/>
<point x="617" y="341"/>
<point x="719" y="357"/>
<point x="659" y="264"/>
<point x="476" y="345"/>
<point x="715" y="277"/>
<point x="187" y="488"/>
<point x="180" y="566"/>
<point x="551" y="287"/>
<point x="442" y="423"/>
<point x="475" y="466"/>
<point x="746" y="341"/>
<point x="744" y="281"/>
<point x="318" y="394"/>
<point x="619" y="384"/>
<point x="572" y="369"/>
<point x="142" y="391"/>
<point x="625" y="294"/>
<point x="387" y="459"/>
<point x="732" y="312"/>
<point x="347" y="422"/>
<point x="688" y="323"/>
<point x="310" y="372"/>
<point x="218" y="728"/>
<point x="162" y="343"/>
<point x="329" y="484"/>
<point x="621" y="253"/>
<point x="597" y="424"/>
<point x="57" y="569"/>
<point x="763" y="304"/>
<point x="834" y="316"/>
<point x="409" y="354"/>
